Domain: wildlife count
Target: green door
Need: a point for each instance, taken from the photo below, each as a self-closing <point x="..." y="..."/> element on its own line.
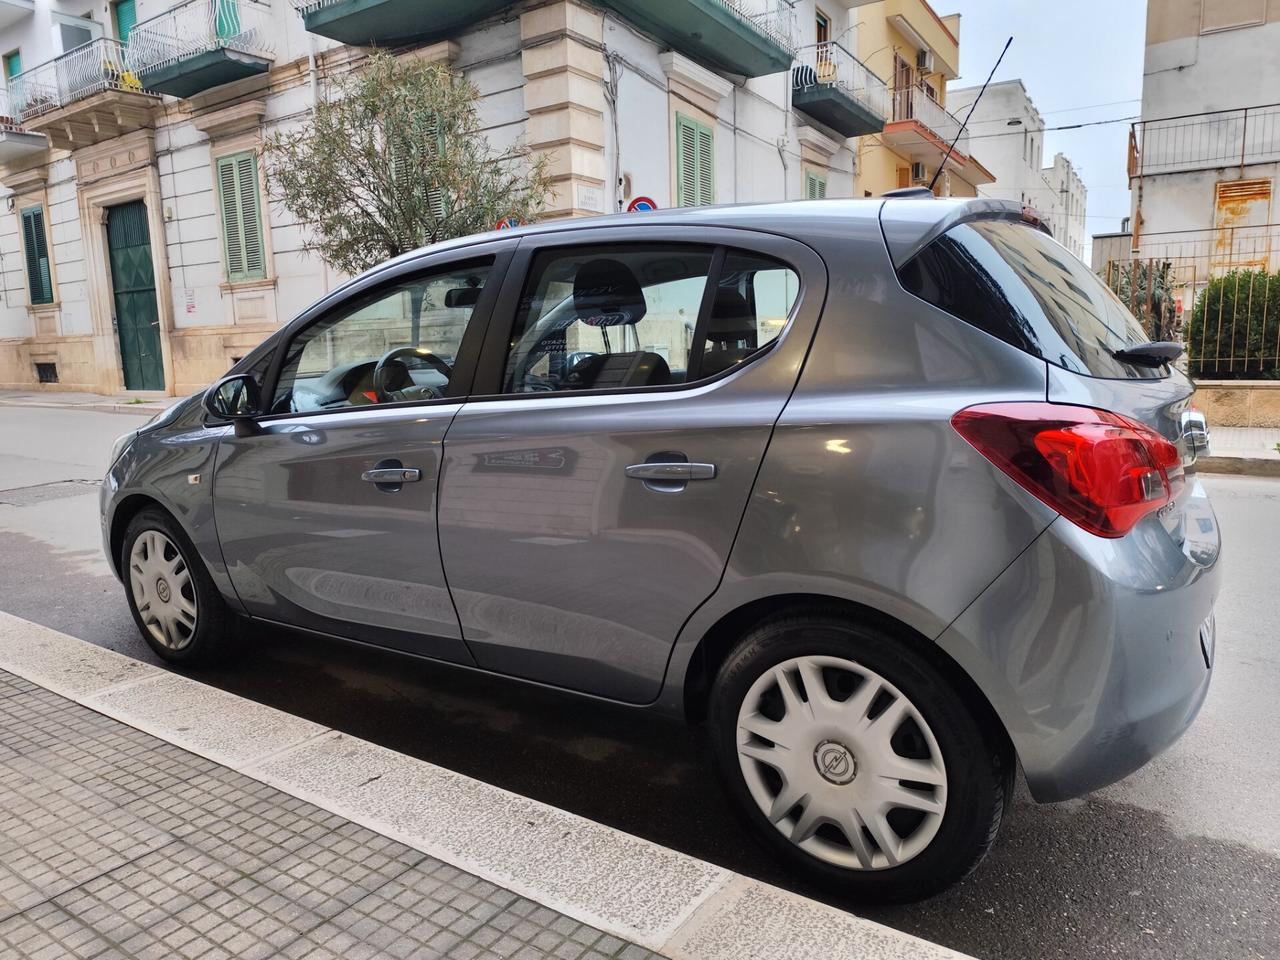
<point x="133" y="284"/>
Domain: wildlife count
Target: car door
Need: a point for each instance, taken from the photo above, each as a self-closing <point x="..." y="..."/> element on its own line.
<point x="592" y="486"/>
<point x="325" y="511"/>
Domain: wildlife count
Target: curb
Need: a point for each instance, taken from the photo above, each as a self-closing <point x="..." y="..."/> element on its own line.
<point x="1239" y="466"/>
<point x="138" y="409"/>
<point x="666" y="901"/>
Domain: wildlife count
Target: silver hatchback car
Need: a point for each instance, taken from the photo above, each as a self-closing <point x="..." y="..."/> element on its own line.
<point x="891" y="493"/>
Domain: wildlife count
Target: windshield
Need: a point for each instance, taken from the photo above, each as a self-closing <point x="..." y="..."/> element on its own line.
<point x="1018" y="284"/>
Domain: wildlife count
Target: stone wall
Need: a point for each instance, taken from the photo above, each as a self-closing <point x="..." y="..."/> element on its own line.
<point x="1239" y="403"/>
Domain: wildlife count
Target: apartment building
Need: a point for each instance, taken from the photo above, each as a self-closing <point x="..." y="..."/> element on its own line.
<point x="1204" y="158"/>
<point x="138" y="251"/>
<point x="917" y="51"/>
<point x="1010" y="131"/>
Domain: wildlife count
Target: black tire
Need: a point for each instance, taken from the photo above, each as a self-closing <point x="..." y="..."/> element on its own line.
<point x="216" y="636"/>
<point x="979" y="764"/>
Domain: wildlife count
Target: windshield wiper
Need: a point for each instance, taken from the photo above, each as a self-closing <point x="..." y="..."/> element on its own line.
<point x="1154" y="354"/>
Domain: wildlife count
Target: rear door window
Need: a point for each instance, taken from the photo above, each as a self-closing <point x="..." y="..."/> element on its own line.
<point x="1018" y="284"/>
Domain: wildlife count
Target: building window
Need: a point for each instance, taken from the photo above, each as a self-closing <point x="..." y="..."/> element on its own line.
<point x="126" y="15"/>
<point x="695" y="163"/>
<point x="815" y="187"/>
<point x="823" y="34"/>
<point x="241" y="209"/>
<point x="70" y="32"/>
<point x="36" y="247"/>
<point x="12" y="64"/>
<point x="46" y="372"/>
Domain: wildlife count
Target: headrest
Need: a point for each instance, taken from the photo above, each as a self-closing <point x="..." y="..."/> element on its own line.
<point x="607" y="294"/>
<point x="732" y="318"/>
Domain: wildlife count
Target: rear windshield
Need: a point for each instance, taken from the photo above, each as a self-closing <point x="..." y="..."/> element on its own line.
<point x="1018" y="284"/>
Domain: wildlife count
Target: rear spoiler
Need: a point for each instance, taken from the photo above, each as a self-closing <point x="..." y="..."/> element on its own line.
<point x="911" y="222"/>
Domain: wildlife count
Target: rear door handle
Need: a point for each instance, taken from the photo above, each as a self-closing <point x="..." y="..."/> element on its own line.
<point x="392" y="475"/>
<point x="672" y="472"/>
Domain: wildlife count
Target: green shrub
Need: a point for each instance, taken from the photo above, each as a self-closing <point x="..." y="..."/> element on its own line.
<point x="1234" y="332"/>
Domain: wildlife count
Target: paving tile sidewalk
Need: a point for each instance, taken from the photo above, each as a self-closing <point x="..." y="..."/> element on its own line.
<point x="115" y="844"/>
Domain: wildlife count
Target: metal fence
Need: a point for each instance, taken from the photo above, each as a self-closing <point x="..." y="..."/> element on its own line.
<point x="1205" y="141"/>
<point x="197" y="27"/>
<point x="915" y="103"/>
<point x="9" y="119"/>
<point x="88" y="69"/>
<point x="775" y="19"/>
<point x="1216" y="291"/>
<point x="830" y="64"/>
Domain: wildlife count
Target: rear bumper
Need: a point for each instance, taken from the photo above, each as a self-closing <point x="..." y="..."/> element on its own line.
<point x="1091" y="651"/>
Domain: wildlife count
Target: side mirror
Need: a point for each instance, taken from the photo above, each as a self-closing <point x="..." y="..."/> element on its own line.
<point x="234" y="398"/>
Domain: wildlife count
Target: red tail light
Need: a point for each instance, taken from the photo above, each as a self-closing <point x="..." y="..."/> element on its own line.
<point x="1101" y="471"/>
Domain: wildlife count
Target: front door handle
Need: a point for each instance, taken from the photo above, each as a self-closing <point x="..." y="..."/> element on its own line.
<point x="672" y="472"/>
<point x="395" y="475"/>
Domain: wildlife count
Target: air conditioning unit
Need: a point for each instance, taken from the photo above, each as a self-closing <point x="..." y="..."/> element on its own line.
<point x="918" y="173"/>
<point x="924" y="61"/>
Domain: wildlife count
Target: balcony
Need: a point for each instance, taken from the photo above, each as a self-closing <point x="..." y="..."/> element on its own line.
<point x="753" y="38"/>
<point x="835" y="88"/>
<point x="1205" y="141"/>
<point x="389" y="22"/>
<point x="15" y="141"/>
<point x="82" y="97"/>
<point x="11" y="11"/>
<point x="201" y="44"/>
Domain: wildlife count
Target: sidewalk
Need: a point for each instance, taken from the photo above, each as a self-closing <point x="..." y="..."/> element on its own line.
<point x="145" y="815"/>
<point x="84" y="401"/>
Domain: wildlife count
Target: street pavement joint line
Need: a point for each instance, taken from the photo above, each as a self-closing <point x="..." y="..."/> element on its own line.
<point x="247" y="766"/>
<point x="729" y="916"/>
<point x="124" y="685"/>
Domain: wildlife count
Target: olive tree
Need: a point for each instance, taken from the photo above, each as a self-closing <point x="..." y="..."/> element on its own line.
<point x="394" y="159"/>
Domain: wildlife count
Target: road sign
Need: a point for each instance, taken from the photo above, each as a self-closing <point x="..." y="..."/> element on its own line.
<point x="641" y="205"/>
<point x="506" y="223"/>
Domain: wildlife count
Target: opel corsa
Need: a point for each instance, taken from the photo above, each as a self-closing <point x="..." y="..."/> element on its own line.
<point x="893" y="494"/>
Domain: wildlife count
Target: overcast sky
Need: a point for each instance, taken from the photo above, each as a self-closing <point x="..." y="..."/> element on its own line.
<point x="1073" y="58"/>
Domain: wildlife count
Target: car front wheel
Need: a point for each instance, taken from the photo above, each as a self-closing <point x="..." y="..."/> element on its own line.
<point x="854" y="758"/>
<point x="174" y="601"/>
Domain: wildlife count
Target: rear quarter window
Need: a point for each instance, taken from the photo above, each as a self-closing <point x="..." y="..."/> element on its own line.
<point x="1018" y="284"/>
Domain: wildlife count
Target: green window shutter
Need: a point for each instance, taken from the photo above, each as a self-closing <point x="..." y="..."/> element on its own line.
<point x="240" y="204"/>
<point x="435" y="196"/>
<point x="695" y="163"/>
<point x="12" y="63"/>
<point x="35" y="246"/>
<point x="706" y="166"/>
<point x="815" y="187"/>
<point x="126" y="17"/>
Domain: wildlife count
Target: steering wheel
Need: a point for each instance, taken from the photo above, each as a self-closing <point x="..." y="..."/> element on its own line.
<point x="392" y="381"/>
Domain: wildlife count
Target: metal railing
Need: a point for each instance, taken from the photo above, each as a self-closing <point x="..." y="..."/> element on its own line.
<point x="88" y="69"/>
<point x="915" y="103"/>
<point x="196" y="27"/>
<point x="1204" y="141"/>
<point x="829" y="64"/>
<point x="776" y="19"/>
<point x="1216" y="291"/>
<point x="10" y="122"/>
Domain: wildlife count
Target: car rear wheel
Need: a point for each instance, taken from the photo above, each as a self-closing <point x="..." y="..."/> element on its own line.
<point x="174" y="601"/>
<point x="853" y="757"/>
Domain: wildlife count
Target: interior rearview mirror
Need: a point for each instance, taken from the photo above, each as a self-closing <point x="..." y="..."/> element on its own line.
<point x="233" y="398"/>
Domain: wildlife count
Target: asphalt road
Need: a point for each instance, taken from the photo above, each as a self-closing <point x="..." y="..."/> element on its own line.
<point x="1180" y="860"/>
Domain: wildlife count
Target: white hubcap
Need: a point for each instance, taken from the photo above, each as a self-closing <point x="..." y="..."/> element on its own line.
<point x="841" y="763"/>
<point x="162" y="590"/>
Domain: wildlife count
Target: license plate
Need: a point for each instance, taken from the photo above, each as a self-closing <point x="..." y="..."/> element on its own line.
<point x="1208" y="631"/>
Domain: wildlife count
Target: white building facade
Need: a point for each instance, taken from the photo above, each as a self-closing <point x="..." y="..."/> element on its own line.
<point x="138" y="252"/>
<point x="1009" y="131"/>
<point x="1204" y="159"/>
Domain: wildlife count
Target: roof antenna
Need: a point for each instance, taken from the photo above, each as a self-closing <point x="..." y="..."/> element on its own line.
<point x="973" y="106"/>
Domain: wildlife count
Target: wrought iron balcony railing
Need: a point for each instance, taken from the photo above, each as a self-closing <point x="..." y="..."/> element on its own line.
<point x="198" y="27"/>
<point x="88" y="69"/>
<point x="1205" y="141"/>
<point x="915" y="103"/>
<point x="831" y="65"/>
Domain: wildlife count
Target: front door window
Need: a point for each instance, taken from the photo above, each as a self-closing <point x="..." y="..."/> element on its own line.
<point x="398" y="346"/>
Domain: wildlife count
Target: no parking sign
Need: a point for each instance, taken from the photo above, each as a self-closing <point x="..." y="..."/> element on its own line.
<point x="506" y="223"/>
<point x="641" y="205"/>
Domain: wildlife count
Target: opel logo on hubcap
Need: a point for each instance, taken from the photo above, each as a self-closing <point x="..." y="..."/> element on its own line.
<point x="835" y="762"/>
<point x="162" y="590"/>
